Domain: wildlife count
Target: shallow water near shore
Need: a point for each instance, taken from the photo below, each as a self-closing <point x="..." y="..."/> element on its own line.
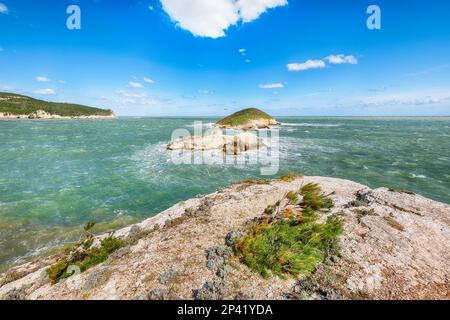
<point x="57" y="175"/>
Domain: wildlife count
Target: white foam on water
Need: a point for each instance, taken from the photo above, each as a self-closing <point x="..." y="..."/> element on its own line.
<point x="305" y="124"/>
<point x="206" y="125"/>
<point x="418" y="176"/>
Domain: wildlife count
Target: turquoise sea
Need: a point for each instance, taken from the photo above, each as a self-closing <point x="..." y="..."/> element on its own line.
<point x="57" y="175"/>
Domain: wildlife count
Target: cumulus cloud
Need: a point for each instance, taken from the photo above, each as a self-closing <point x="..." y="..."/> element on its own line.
<point x="148" y="80"/>
<point x="3" y="8"/>
<point x="45" y="92"/>
<point x="42" y="79"/>
<point x="271" y="86"/>
<point x="341" y="59"/>
<point x="207" y="18"/>
<point x="309" y="64"/>
<point x="242" y="51"/>
<point x="135" y="85"/>
<point x="251" y="9"/>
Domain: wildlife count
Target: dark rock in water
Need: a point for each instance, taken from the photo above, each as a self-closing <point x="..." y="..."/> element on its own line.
<point x="211" y="290"/>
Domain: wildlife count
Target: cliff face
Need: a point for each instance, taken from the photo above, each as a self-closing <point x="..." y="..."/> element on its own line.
<point x="394" y="245"/>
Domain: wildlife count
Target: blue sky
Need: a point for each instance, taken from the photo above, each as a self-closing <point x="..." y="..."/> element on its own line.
<point x="171" y="58"/>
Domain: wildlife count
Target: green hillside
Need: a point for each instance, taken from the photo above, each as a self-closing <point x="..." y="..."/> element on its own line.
<point x="243" y="117"/>
<point x="19" y="104"/>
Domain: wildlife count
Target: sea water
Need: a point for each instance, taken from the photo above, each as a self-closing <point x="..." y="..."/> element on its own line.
<point x="57" y="175"/>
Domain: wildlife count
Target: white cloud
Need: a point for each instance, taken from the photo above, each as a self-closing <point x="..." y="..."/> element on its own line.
<point x="251" y="9"/>
<point x="135" y="98"/>
<point x="42" y="79"/>
<point x="127" y="94"/>
<point x="242" y="51"/>
<point x="207" y="18"/>
<point x="205" y="92"/>
<point x="309" y="64"/>
<point x="5" y="87"/>
<point x="61" y="81"/>
<point x="45" y="92"/>
<point x="248" y="60"/>
<point x="148" y="80"/>
<point x="271" y="86"/>
<point x="3" y="8"/>
<point x="135" y="85"/>
<point x="341" y="59"/>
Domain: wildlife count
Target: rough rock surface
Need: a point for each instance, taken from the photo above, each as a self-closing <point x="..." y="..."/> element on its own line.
<point x="395" y="245"/>
<point x="216" y="139"/>
<point x="253" y="124"/>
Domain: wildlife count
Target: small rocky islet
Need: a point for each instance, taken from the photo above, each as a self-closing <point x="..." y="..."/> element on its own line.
<point x="237" y="138"/>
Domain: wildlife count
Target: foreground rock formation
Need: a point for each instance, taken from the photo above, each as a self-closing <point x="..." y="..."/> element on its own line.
<point x="216" y="139"/>
<point x="395" y="245"/>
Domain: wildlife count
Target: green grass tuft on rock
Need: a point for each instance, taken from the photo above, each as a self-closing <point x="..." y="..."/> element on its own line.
<point x="314" y="199"/>
<point x="88" y="259"/>
<point x="243" y="117"/>
<point x="290" y="177"/>
<point x="292" y="245"/>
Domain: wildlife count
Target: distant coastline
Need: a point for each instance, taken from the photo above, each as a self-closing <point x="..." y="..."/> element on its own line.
<point x="16" y="117"/>
<point x="20" y="107"/>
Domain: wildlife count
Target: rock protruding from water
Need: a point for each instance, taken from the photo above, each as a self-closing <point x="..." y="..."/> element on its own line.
<point x="217" y="140"/>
